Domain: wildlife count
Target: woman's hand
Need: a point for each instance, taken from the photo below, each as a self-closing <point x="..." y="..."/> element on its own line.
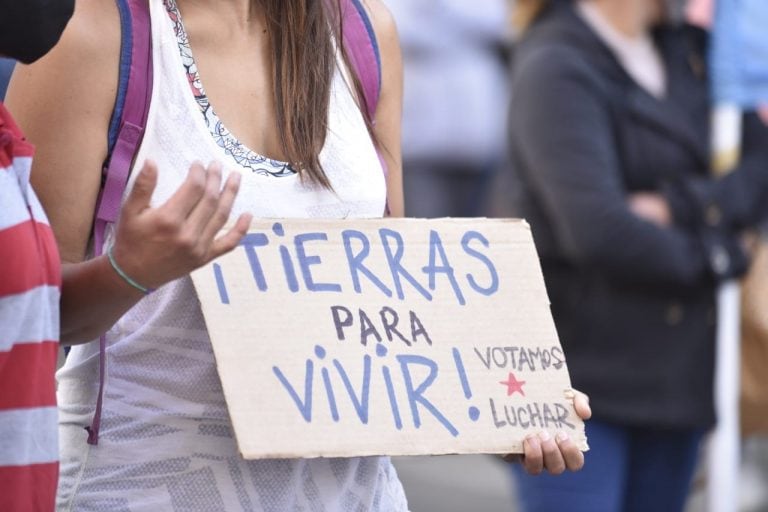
<point x="651" y="207"/>
<point x="555" y="455"/>
<point x="157" y="245"/>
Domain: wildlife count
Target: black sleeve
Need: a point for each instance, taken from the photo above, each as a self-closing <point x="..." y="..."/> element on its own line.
<point x="561" y="128"/>
<point x="30" y="28"/>
<point x="738" y="200"/>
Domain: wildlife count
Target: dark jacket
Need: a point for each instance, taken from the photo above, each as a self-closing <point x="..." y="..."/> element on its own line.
<point x="634" y="303"/>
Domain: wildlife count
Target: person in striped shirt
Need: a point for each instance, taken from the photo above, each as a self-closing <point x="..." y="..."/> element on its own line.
<point x="30" y="281"/>
<point x="34" y="285"/>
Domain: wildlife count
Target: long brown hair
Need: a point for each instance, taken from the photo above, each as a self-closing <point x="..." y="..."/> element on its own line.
<point x="301" y="34"/>
<point x="525" y="13"/>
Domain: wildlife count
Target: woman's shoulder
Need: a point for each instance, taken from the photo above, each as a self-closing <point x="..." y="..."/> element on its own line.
<point x="380" y="15"/>
<point x="383" y="24"/>
<point x="63" y="103"/>
<point x="83" y="66"/>
<point x="92" y="36"/>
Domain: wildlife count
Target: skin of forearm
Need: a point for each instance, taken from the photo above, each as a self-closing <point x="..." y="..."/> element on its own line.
<point x="93" y="298"/>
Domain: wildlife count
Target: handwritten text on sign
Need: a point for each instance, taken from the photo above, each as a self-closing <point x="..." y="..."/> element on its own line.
<point x="399" y="337"/>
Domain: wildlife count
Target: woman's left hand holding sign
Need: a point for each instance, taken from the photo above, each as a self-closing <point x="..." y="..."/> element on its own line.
<point x="542" y="452"/>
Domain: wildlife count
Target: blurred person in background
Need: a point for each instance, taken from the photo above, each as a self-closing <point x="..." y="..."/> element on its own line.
<point x="454" y="103"/>
<point x="609" y="134"/>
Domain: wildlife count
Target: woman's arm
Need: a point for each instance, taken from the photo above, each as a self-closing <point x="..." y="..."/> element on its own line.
<point x="152" y="246"/>
<point x="737" y="200"/>
<point x="64" y="103"/>
<point x="390" y="108"/>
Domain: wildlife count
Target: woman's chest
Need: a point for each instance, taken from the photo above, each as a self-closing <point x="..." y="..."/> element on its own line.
<point x="660" y="140"/>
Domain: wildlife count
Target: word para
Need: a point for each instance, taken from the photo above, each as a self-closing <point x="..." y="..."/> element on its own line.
<point x="389" y="320"/>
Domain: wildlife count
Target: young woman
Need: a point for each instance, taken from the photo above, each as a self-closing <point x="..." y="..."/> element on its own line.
<point x="262" y="87"/>
<point x="609" y="137"/>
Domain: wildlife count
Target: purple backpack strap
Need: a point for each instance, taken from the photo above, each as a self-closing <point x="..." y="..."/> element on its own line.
<point x="363" y="52"/>
<point x="135" y="24"/>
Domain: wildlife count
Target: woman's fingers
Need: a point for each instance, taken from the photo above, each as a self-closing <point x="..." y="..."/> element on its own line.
<point x="553" y="459"/>
<point x="572" y="456"/>
<point x="202" y="210"/>
<point x="219" y="217"/>
<point x="184" y="200"/>
<point x="231" y="238"/>
<point x="651" y="207"/>
<point x="200" y="215"/>
<point x="533" y="459"/>
<point x="542" y="453"/>
<point x="141" y="194"/>
<point x="581" y="405"/>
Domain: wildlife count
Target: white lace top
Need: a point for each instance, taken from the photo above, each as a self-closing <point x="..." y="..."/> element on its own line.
<point x="166" y="441"/>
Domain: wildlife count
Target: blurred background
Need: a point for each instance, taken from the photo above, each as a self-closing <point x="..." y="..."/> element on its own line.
<point x="457" y="57"/>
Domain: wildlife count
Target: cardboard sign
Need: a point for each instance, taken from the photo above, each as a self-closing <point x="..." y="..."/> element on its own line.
<point x="386" y="337"/>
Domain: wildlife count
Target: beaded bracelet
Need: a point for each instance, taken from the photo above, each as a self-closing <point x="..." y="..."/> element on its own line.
<point x="126" y="277"/>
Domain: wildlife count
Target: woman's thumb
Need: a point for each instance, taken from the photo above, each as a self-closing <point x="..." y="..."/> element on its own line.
<point x="141" y="194"/>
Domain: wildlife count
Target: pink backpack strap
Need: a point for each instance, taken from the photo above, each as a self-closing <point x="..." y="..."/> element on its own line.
<point x="363" y="50"/>
<point x="133" y="107"/>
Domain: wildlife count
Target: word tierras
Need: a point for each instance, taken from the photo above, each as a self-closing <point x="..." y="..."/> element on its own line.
<point x="521" y="358"/>
<point x="301" y="255"/>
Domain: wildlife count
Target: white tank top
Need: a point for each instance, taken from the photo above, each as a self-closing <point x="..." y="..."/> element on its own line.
<point x="166" y="442"/>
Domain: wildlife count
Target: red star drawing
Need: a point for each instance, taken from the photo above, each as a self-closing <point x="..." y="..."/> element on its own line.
<point x="513" y="385"/>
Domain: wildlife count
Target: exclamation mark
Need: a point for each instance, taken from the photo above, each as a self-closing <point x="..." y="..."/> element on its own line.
<point x="223" y="295"/>
<point x="474" y="412"/>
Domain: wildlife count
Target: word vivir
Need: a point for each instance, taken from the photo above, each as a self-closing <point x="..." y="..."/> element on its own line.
<point x="521" y="358"/>
<point x="403" y="374"/>
<point x="301" y="261"/>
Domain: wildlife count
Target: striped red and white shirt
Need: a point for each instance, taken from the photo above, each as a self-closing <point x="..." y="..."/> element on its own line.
<point x="30" y="283"/>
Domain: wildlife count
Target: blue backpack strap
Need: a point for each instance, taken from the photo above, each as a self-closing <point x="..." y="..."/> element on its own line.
<point x="126" y="38"/>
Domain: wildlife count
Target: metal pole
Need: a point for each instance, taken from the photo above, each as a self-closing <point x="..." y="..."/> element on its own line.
<point x="725" y="443"/>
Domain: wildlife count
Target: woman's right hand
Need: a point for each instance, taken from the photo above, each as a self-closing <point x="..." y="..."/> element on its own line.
<point x="651" y="207"/>
<point x="156" y="245"/>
